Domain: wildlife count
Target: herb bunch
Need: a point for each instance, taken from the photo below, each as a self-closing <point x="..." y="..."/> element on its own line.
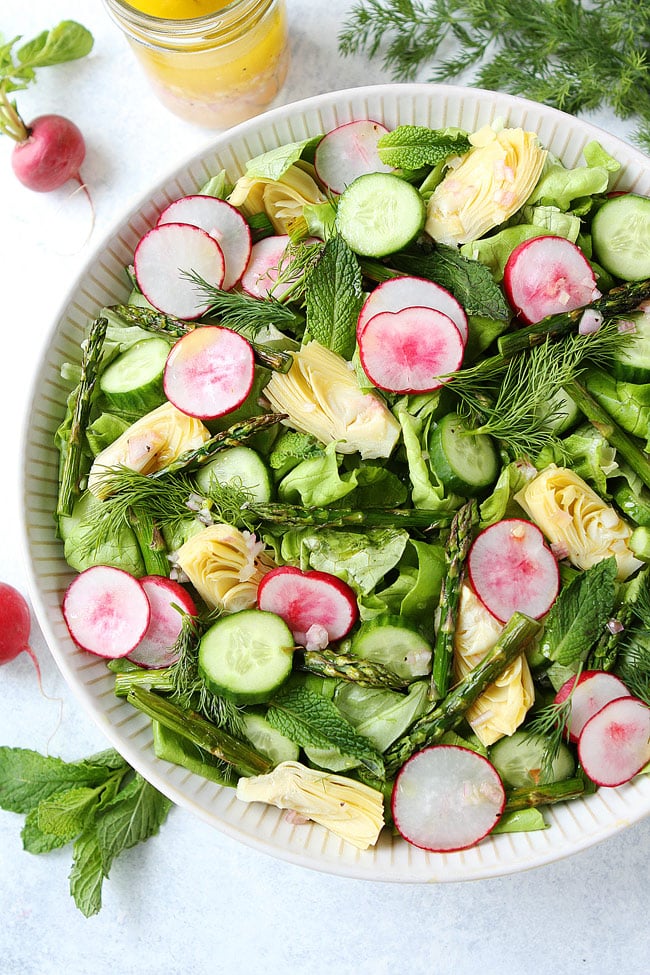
<point x="564" y="53"/>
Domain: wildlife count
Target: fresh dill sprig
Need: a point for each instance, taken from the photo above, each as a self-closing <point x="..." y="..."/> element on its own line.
<point x="551" y="723"/>
<point x="242" y="312"/>
<point x="633" y="664"/>
<point x="294" y="268"/>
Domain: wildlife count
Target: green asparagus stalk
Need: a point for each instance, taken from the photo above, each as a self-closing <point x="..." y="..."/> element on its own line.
<point x="544" y="795"/>
<point x="152" y="679"/>
<point x="616" y="302"/>
<point x="83" y="398"/>
<point x="430" y="728"/>
<point x="599" y="418"/>
<point x="297" y="516"/>
<point x="245" y="759"/>
<point x="345" y="666"/>
<point x="460" y="539"/>
<point x="150" y="542"/>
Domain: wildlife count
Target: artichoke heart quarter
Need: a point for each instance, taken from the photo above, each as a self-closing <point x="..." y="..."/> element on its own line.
<point x="577" y="522"/>
<point x="352" y="810"/>
<point x="281" y="199"/>
<point x="486" y="186"/>
<point x="321" y="395"/>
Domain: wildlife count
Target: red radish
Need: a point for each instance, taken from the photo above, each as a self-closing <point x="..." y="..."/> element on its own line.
<point x="15" y="624"/>
<point x="408" y="292"/>
<point x="348" y="151"/>
<point x="447" y="798"/>
<point x="168" y="601"/>
<point x="546" y="275"/>
<point x="316" y="606"/>
<point x="209" y="372"/>
<point x="107" y="611"/>
<point x="589" y="692"/>
<point x="512" y="569"/>
<point x="51" y="154"/>
<point x="223" y="222"/>
<point x="615" y="743"/>
<point x="405" y="351"/>
<point x="163" y="259"/>
<point x="261" y="273"/>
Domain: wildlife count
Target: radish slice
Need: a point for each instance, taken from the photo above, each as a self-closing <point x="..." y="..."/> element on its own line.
<point x="223" y="222"/>
<point x="168" y="601"/>
<point x="512" y="569"/>
<point x="316" y="606"/>
<point x="447" y="798"/>
<point x="615" y="742"/>
<point x="349" y="151"/>
<point x="107" y="611"/>
<point x="162" y="258"/>
<point x="262" y="270"/>
<point x="408" y="292"/>
<point x="589" y="693"/>
<point x="546" y="275"/>
<point x="405" y="351"/>
<point x="209" y="372"/>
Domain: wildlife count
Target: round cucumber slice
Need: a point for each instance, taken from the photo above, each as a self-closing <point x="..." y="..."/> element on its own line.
<point x="133" y="383"/>
<point x="519" y="760"/>
<point x="632" y="362"/>
<point x="246" y="656"/>
<point x="379" y="213"/>
<point x="620" y="233"/>
<point x="242" y="465"/>
<point x="465" y="462"/>
<point x="395" y="643"/>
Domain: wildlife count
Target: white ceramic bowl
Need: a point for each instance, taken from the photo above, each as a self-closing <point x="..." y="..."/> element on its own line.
<point x="572" y="826"/>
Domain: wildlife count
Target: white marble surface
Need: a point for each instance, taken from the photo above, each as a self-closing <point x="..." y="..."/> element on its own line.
<point x="192" y="899"/>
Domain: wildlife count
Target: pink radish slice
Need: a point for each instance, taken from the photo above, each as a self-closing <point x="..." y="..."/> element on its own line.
<point x="262" y="270"/>
<point x="408" y="292"/>
<point x="405" y="351"/>
<point x="168" y="601"/>
<point x="349" y="151"/>
<point x="592" y="690"/>
<point x="209" y="372"/>
<point x="107" y="611"/>
<point x="307" y="601"/>
<point x="447" y="798"/>
<point x="546" y="275"/>
<point x="512" y="569"/>
<point x="615" y="743"/>
<point x="162" y="259"/>
<point x="223" y="222"/>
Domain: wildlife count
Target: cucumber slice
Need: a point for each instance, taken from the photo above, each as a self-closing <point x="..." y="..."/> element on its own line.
<point x="268" y="740"/>
<point x="395" y="643"/>
<point x="620" y="234"/>
<point x="635" y="506"/>
<point x="632" y="364"/>
<point x="519" y="760"/>
<point x="242" y="465"/>
<point x="639" y="542"/>
<point x="379" y="213"/>
<point x="246" y="656"/>
<point x="465" y="462"/>
<point x="133" y="383"/>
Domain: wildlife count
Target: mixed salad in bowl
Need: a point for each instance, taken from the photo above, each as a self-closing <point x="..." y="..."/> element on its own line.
<point x="356" y="481"/>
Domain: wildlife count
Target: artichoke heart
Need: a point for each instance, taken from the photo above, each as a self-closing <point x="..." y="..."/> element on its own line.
<point x="577" y="522"/>
<point x="281" y="199"/>
<point x="149" y="444"/>
<point x="502" y="707"/>
<point x="486" y="186"/>
<point x="321" y="395"/>
<point x="225" y="566"/>
<point x="352" y="810"/>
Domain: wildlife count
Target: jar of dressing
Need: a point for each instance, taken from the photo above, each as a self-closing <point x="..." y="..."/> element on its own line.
<point x="212" y="62"/>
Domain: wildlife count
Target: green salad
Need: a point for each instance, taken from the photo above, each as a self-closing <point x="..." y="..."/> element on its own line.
<point x="356" y="487"/>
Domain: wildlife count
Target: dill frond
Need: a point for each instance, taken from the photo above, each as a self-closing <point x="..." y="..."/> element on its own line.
<point x="243" y="313"/>
<point x="550" y="723"/>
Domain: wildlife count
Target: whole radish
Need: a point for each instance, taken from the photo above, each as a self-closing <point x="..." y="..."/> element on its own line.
<point x="50" y="154"/>
<point x="15" y="624"/>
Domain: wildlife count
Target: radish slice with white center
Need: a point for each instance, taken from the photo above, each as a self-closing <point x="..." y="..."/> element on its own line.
<point x="615" y="743"/>
<point x="209" y="372"/>
<point x="409" y="292"/>
<point x="107" y="611"/>
<point x="447" y="798"/>
<point x="308" y="602"/>
<point x="511" y="569"/>
<point x="406" y="351"/>
<point x="591" y="691"/>
<point x="223" y="222"/>
<point x="349" y="151"/>
<point x="163" y="258"/>
<point x="168" y="601"/>
<point x="261" y="272"/>
<point x="547" y="275"/>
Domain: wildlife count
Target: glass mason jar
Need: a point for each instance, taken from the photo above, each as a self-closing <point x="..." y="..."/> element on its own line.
<point x="217" y="69"/>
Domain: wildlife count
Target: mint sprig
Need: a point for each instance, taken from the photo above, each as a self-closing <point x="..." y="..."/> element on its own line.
<point x="334" y="296"/>
<point x="414" y="146"/>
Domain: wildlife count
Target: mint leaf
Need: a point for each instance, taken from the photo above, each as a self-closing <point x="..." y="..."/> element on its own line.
<point x="135" y="814"/>
<point x="334" y="296"/>
<point x="579" y="614"/>
<point x="26" y="777"/>
<point x="35" y="840"/>
<point x="68" y="41"/>
<point x="66" y="814"/>
<point x="311" y="721"/>
<point x="274" y="163"/>
<point x="415" y="146"/>
<point x="87" y="873"/>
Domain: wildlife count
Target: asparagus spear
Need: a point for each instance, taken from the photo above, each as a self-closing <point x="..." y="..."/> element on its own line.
<point x="345" y="666"/>
<point x="460" y="539"/>
<point x="616" y="302"/>
<point x="297" y="516"/>
<point x="244" y="758"/>
<point x="83" y="397"/>
<point x="150" y="542"/>
<point x="544" y="795"/>
<point x="430" y="728"/>
<point x="151" y="679"/>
